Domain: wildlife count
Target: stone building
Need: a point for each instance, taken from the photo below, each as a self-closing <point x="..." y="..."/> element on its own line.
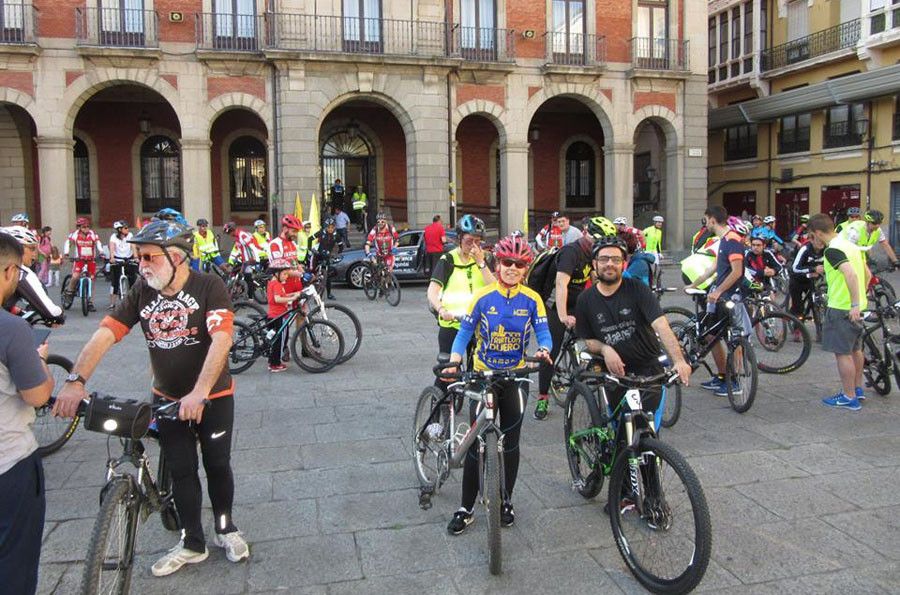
<point x="227" y="108"/>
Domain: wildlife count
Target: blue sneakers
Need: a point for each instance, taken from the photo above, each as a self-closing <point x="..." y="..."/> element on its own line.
<point x="860" y="394"/>
<point x="722" y="391"/>
<point x="714" y="383"/>
<point x="842" y="401"/>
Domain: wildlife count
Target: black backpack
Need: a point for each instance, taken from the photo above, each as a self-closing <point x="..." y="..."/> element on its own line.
<point x="542" y="274"/>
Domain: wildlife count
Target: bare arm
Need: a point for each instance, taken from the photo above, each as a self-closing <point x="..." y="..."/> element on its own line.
<point x="562" y="294"/>
<point x="88" y="360"/>
<point x="434" y="296"/>
<point x="215" y="361"/>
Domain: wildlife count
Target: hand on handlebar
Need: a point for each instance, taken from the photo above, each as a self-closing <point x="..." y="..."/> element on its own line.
<point x="543" y="355"/>
<point x="612" y="360"/>
<point x="191" y="406"/>
<point x="684" y="372"/>
<point x="68" y="399"/>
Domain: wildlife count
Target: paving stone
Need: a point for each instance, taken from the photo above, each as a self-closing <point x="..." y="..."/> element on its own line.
<point x="867" y="488"/>
<point x="727" y="506"/>
<point x="740" y="468"/>
<point x="401" y="550"/>
<point x="355" y="512"/>
<point x="214" y="575"/>
<point x="797" y="497"/>
<point x="266" y="459"/>
<point x="879" y="528"/>
<point x="356" y="452"/>
<point x="420" y="583"/>
<point x="304" y="561"/>
<point x="268" y="521"/>
<point x="273" y="437"/>
<point x="820" y="459"/>
<point x="67" y="542"/>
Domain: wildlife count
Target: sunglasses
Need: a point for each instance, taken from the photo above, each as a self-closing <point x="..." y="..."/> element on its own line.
<point x="610" y="259"/>
<point x="149" y="256"/>
<point x="509" y="262"/>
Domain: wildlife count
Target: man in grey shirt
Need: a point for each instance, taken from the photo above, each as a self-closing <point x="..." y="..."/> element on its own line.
<point x="570" y="234"/>
<point x="25" y="383"/>
<point x="341" y="221"/>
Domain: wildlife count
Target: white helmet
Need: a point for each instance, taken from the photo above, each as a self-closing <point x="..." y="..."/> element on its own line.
<point x="25" y="236"/>
<point x="119" y="225"/>
<point x="20" y="218"/>
<point x="741" y="227"/>
<point x="620" y="221"/>
<point x="768" y="219"/>
<point x="658" y="219"/>
<point x="258" y="222"/>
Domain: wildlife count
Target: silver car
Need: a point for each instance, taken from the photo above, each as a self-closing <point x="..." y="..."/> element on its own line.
<point x="408" y="263"/>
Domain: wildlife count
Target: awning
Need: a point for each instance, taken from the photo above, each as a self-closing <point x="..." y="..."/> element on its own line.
<point x="848" y="89"/>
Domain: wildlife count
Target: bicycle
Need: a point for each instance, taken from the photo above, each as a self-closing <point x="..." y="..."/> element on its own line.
<point x="879" y="364"/>
<point x="128" y="265"/>
<point x="436" y="451"/>
<point x="317" y="345"/>
<point x="650" y="483"/>
<point x="697" y="338"/>
<point x="880" y="290"/>
<point x="379" y="281"/>
<point x="83" y="290"/>
<point x="783" y="339"/>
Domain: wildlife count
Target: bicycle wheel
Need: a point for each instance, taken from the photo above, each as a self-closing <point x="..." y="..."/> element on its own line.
<point x="563" y="372"/>
<point x="260" y="295"/>
<point x="671" y="407"/>
<point x="245" y="348"/>
<point x="782" y="343"/>
<point x="108" y="566"/>
<point x="430" y="441"/>
<point x="52" y="432"/>
<point x="892" y="349"/>
<point x="492" y="501"/>
<point x="874" y="367"/>
<point x="317" y="346"/>
<point x="666" y="548"/>
<point x="392" y="290"/>
<point x="348" y="323"/>
<point x="64" y="298"/>
<point x="741" y="379"/>
<point x="582" y="426"/>
<point x="85" y="301"/>
<point x="370" y="284"/>
<point x="249" y="309"/>
<point x="676" y="314"/>
<point x="169" y="516"/>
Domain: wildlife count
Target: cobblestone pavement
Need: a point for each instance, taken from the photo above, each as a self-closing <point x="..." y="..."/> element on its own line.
<point x="803" y="498"/>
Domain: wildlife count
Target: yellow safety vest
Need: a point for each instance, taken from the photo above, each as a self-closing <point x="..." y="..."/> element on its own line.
<point x="263" y="241"/>
<point x="302" y="245"/>
<point x="653" y="235"/>
<point x="359" y="201"/>
<point x="866" y="239"/>
<point x="464" y="282"/>
<point x="697" y="263"/>
<point x="205" y="245"/>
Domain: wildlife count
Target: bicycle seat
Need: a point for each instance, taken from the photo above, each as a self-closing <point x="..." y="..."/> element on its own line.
<point x="695" y="291"/>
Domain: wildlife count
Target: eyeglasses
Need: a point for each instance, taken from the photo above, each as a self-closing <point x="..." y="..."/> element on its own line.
<point x="610" y="259"/>
<point x="509" y="262"/>
<point x="149" y="256"/>
<point x="470" y="240"/>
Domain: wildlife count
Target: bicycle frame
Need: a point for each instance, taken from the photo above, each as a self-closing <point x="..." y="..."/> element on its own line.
<point x="80" y="290"/>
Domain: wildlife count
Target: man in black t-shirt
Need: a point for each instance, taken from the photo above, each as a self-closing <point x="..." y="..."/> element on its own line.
<point x="621" y="318"/>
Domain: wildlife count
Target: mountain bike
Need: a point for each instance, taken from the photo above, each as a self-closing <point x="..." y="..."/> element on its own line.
<point x="439" y="445"/>
<point x="880" y="290"/>
<point x="317" y="345"/>
<point x="881" y="361"/>
<point x="781" y="341"/>
<point x="127" y="265"/>
<point x="84" y="291"/>
<point x="657" y="509"/>
<point x="379" y="281"/>
<point x="815" y="300"/>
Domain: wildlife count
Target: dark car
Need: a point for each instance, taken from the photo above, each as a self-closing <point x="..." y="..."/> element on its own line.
<point x="408" y="262"/>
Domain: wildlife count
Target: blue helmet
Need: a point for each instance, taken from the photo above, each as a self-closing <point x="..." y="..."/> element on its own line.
<point x="166" y="234"/>
<point x="168" y="214"/>
<point x="470" y="224"/>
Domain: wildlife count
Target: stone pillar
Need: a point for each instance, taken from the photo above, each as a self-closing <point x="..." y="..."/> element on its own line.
<point x="513" y="186"/>
<point x="196" y="185"/>
<point x="56" y="162"/>
<point x="674" y="230"/>
<point x="618" y="176"/>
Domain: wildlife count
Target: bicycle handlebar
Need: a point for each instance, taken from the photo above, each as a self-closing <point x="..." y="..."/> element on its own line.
<point x="160" y="410"/>
<point x="511" y="374"/>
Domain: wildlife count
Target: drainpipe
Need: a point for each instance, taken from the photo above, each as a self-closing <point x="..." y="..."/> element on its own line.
<point x="869" y="143"/>
<point x="276" y="140"/>
<point x="451" y="187"/>
<point x="769" y="205"/>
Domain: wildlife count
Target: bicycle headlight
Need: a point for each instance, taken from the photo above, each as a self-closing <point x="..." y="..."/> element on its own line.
<point x="729" y="304"/>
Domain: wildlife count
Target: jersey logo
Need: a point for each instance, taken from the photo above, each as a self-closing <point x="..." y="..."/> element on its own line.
<point x="601" y="317"/>
<point x="492" y="310"/>
<point x="625" y="311"/>
<point x="520" y="312"/>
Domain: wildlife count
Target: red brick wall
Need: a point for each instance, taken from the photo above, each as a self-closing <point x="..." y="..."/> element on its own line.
<point x="56" y="17"/>
<point x="495" y="93"/>
<point x="476" y="135"/>
<point x="183" y="31"/>
<point x="645" y="98"/>
<point x="22" y="81"/>
<point x="113" y="127"/>
<point x="530" y="14"/>
<point x="224" y="125"/>
<point x="219" y="85"/>
<point x="614" y="22"/>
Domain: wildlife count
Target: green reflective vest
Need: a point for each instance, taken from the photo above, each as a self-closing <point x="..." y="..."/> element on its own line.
<point x="838" y="292"/>
<point x="860" y="229"/>
<point x="464" y="281"/>
<point x="697" y="263"/>
<point x="205" y="245"/>
<point x="263" y="240"/>
<point x="653" y="236"/>
<point x="359" y="201"/>
<point x="302" y="244"/>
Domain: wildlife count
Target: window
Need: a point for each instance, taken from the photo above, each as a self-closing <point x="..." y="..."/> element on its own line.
<point x="736" y="32"/>
<point x="579" y="176"/>
<point x="247" y="174"/>
<point x="477" y="31"/>
<point x="798" y="20"/>
<point x="160" y="174"/>
<point x="723" y="45"/>
<point x="748" y="36"/>
<point x="12" y="21"/>
<point x="121" y="22"/>
<point x="234" y="24"/>
<point x="408" y="240"/>
<point x="794" y="134"/>
<point x="568" y="28"/>
<point x="362" y="26"/>
<point x="740" y="142"/>
<point x="896" y="135"/>
<point x="82" y="179"/>
<point x="712" y="41"/>
<point x="845" y="126"/>
<point x="763" y="26"/>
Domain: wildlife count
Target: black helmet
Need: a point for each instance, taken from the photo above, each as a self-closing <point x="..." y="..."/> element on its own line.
<point x="874" y="216"/>
<point x="165" y="234"/>
<point x="202" y="222"/>
<point x="470" y="224"/>
<point x="608" y="242"/>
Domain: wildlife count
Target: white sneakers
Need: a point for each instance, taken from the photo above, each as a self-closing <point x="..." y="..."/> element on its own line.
<point x="236" y="549"/>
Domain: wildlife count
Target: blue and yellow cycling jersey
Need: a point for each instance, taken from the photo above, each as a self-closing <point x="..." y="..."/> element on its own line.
<point x="503" y="320"/>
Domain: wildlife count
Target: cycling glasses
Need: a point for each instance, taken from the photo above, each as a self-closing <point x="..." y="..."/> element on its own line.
<point x="149" y="256"/>
<point x="610" y="259"/>
<point x="509" y="262"/>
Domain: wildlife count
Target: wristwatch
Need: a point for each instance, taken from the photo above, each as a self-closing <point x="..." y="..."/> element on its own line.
<point x="76" y="377"/>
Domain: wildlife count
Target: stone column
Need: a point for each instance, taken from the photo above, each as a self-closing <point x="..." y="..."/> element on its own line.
<point x="56" y="162"/>
<point x="674" y="229"/>
<point x="618" y="188"/>
<point x="513" y="185"/>
<point x="196" y="186"/>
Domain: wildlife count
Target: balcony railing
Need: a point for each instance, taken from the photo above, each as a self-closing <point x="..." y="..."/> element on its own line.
<point x="481" y="44"/>
<point x="19" y="23"/>
<point x="116" y="27"/>
<point x="795" y="141"/>
<point x="846" y="133"/>
<point x="574" y="49"/>
<point x="896" y="135"/>
<point x="659" y="54"/>
<point x="818" y="44"/>
<point x="231" y="32"/>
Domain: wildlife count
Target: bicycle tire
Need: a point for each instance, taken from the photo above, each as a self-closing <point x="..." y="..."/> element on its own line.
<point x="370" y="287"/>
<point x="168" y="513"/>
<point x="874" y="367"/>
<point x="677" y="314"/>
<point x="309" y="344"/>
<point x="663" y="457"/>
<point x="492" y="501"/>
<point x="563" y="372"/>
<point x="773" y="334"/>
<point x="85" y="303"/>
<point x="352" y="332"/>
<point x="742" y="401"/>
<point x="392" y="290"/>
<point x="425" y="447"/>
<point x="53" y="432"/>
<point x="64" y="299"/>
<point x="245" y="348"/>
<point x="581" y="410"/>
<point x="117" y="495"/>
<point x="672" y="406"/>
<point x="251" y="309"/>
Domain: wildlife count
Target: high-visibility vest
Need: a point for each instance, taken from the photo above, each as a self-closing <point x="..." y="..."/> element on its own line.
<point x="697" y="263"/>
<point x="205" y="245"/>
<point x="653" y="235"/>
<point x="262" y="240"/>
<point x="359" y="201"/>
<point x="464" y="281"/>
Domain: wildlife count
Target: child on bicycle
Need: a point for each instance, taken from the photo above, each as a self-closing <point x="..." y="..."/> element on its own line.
<point x="279" y="302"/>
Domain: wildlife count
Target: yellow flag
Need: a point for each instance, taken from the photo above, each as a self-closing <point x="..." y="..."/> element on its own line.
<point x="314" y="216"/>
<point x="525" y="223"/>
<point x="298" y="207"/>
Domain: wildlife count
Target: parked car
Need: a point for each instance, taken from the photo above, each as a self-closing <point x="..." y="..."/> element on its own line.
<point x="408" y="263"/>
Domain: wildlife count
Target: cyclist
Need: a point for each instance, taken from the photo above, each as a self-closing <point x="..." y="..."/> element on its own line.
<point x="767" y="232"/>
<point x="20" y="220"/>
<point x="756" y="226"/>
<point x="729" y="272"/>
<point x="329" y="243"/>
<point x="262" y="238"/>
<point x="384" y="238"/>
<point x="121" y="257"/>
<point x="29" y="287"/>
<point x="304" y="237"/>
<point x="703" y="238"/>
<point x="551" y="235"/>
<point x="806" y="266"/>
<point x="866" y="234"/>
<point x="458" y="275"/>
<point x="187" y="320"/>
<point x="285" y="247"/>
<point x="853" y="214"/>
<point x="87" y="246"/>
<point x="621" y="320"/>
<point x="279" y="297"/>
<point x="798" y="237"/>
<point x="245" y="251"/>
<point x="206" y="247"/>
<point x="628" y="233"/>
<point x="653" y="236"/>
<point x="573" y="270"/>
<point x="761" y="264"/>
<point x="502" y="317"/>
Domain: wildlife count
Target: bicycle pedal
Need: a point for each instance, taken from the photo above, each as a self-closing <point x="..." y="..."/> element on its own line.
<point x="425" y="499"/>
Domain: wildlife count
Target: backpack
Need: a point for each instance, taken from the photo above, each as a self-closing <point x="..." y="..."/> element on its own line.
<point x="542" y="274"/>
<point x="640" y="267"/>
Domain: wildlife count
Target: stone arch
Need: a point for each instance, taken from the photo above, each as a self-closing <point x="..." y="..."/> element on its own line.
<point x="230" y="101"/>
<point x="482" y="107"/>
<point x="671" y="179"/>
<point x="24" y="101"/>
<point x="590" y="95"/>
<point x="389" y="103"/>
<point x="663" y="117"/>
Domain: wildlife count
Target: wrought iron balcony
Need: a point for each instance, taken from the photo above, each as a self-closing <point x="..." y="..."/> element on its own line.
<point x="231" y="32"/>
<point x="116" y="27"/>
<point x="846" y="133"/>
<point x="480" y="44"/>
<point x="812" y="46"/>
<point x="19" y="24"/>
<point x="574" y="49"/>
<point x="659" y="54"/>
<point x="795" y="140"/>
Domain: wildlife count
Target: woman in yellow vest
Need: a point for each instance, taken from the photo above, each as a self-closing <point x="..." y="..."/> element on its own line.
<point x="653" y="236"/>
<point x="263" y="238"/>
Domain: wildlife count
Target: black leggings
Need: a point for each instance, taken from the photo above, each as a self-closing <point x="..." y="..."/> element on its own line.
<point x="278" y="343"/>
<point x="446" y="336"/>
<point x="557" y="331"/>
<point x="511" y="396"/>
<point x="178" y="440"/>
<point x="798" y="290"/>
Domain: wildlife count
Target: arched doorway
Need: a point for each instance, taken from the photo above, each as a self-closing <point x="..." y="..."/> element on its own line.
<point x="348" y="163"/>
<point x="478" y="175"/>
<point x="18" y="177"/>
<point x="651" y="169"/>
<point x="239" y="166"/>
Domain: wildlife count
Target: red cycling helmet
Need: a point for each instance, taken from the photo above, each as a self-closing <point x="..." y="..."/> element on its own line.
<point x="82" y="221"/>
<point x="515" y="248"/>
<point x="291" y="222"/>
